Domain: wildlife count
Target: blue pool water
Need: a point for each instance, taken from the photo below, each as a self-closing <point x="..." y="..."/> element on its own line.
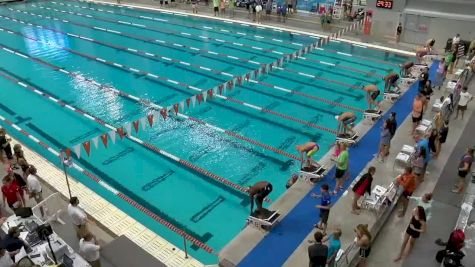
<point x="212" y="213"/>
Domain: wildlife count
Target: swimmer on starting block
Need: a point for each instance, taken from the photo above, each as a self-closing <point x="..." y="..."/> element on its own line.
<point x="405" y="68"/>
<point x="391" y="81"/>
<point x="372" y="93"/>
<point x="345" y="123"/>
<point x="259" y="192"/>
<point x="307" y="150"/>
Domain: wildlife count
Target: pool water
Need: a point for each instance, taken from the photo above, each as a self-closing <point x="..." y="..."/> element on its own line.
<point x="211" y="212"/>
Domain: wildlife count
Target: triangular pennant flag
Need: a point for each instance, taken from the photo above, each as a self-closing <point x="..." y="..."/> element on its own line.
<point x="175" y="107"/>
<point x="205" y="95"/>
<point x="256" y="73"/>
<point x="193" y="100"/>
<point x="143" y="122"/>
<point x="95" y="141"/>
<point x="215" y="90"/>
<point x="104" y="140"/>
<point x="182" y="106"/>
<point x="199" y="97"/>
<point x="128" y="128"/>
<point x="164" y="113"/>
<point x="270" y="66"/>
<point x="210" y="93"/>
<point x="112" y="134"/>
<point x="235" y="81"/>
<point x="150" y="119"/>
<point x="248" y="76"/>
<point x="87" y="147"/>
<point x="68" y="153"/>
<point x="77" y="150"/>
<point x="188" y="102"/>
<point x="121" y="132"/>
<point x="136" y="126"/>
<point x="239" y="80"/>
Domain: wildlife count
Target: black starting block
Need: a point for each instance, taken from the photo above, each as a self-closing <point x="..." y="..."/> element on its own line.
<point x="264" y="219"/>
<point x="372" y="115"/>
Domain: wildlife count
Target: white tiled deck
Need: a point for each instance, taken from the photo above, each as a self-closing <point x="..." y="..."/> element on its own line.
<point x="110" y="216"/>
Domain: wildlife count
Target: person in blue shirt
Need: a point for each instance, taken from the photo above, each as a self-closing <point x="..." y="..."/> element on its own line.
<point x="334" y="245"/>
<point x="423" y="141"/>
<point x="325" y="202"/>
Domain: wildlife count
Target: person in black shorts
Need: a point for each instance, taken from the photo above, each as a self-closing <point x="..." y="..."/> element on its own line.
<point x="258" y="193"/>
<point x="464" y="167"/>
<point x="443" y="132"/>
<point x="413" y="231"/>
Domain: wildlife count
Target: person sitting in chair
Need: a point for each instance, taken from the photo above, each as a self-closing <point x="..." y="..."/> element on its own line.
<point x="345" y="124"/>
<point x="258" y="193"/>
<point x="372" y="93"/>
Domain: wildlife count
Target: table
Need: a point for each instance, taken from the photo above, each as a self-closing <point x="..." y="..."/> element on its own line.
<point x="42" y="248"/>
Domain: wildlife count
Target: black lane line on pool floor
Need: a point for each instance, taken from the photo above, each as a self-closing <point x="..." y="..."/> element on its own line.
<point x="206" y="210"/>
<point x="157" y="180"/>
<point x="118" y="156"/>
<point x="202" y="238"/>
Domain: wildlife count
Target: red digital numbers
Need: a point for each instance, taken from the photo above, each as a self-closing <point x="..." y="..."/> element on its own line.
<point x="388" y="4"/>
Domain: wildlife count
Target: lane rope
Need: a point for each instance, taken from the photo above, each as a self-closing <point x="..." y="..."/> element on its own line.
<point x="111" y="189"/>
<point x="193" y="88"/>
<point x="198" y="169"/>
<point x="148" y="103"/>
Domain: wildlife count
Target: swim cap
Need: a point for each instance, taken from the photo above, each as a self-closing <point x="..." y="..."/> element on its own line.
<point x="336" y="117"/>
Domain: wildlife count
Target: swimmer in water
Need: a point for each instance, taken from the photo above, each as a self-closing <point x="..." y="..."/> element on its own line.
<point x="259" y="192"/>
<point x="345" y="123"/>
<point x="372" y="93"/>
<point x="391" y="81"/>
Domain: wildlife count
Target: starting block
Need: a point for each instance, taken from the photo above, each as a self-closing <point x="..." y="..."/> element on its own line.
<point x="372" y="115"/>
<point x="312" y="173"/>
<point x="416" y="70"/>
<point x="264" y="219"/>
<point x="424" y="127"/>
<point x="406" y="82"/>
<point x="391" y="96"/>
<point x="347" y="138"/>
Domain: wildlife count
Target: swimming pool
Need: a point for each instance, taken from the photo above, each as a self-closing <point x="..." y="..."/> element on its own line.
<point x="51" y="46"/>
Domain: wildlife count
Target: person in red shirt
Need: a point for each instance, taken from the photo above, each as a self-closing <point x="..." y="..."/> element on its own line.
<point x="12" y="193"/>
<point x="361" y="187"/>
<point x="408" y="182"/>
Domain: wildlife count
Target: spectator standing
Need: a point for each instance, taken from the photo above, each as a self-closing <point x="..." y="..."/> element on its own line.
<point x="12" y="194"/>
<point x="433" y="141"/>
<point x="317" y="253"/>
<point x="363" y="241"/>
<point x="417" y="164"/>
<point x="417" y="109"/>
<point x="413" y="231"/>
<point x="426" y="202"/>
<point x="443" y="132"/>
<point x="222" y="7"/>
<point x="361" y="187"/>
<point x="324" y="207"/>
<point x="216" y="7"/>
<point x="398" y="32"/>
<point x="441" y="72"/>
<point x="392" y="124"/>
<point x="194" y="6"/>
<point x="334" y="245"/>
<point x="407" y="181"/>
<point x="423" y="141"/>
<point x="463" y="169"/>
<point x="232" y="6"/>
<point x="341" y="167"/>
<point x="89" y="248"/>
<point x="465" y="98"/>
<point x="78" y="217"/>
<point x="35" y="191"/>
<point x="385" y="140"/>
<point x="5" y="146"/>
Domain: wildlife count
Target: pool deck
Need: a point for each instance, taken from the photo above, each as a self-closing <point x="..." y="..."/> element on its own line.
<point x="119" y="223"/>
<point x="110" y="222"/>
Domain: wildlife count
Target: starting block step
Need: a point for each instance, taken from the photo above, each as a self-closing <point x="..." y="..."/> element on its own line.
<point x="349" y="139"/>
<point x="372" y="114"/>
<point x="264" y="219"/>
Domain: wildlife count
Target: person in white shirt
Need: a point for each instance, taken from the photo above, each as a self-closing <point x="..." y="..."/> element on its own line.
<point x="426" y="202"/>
<point x="465" y="97"/>
<point x="33" y="184"/>
<point x="78" y="216"/>
<point x="89" y="249"/>
<point x="5" y="259"/>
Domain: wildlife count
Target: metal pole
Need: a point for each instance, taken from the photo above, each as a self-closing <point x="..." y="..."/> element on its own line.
<point x="186" y="250"/>
<point x="65" y="161"/>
